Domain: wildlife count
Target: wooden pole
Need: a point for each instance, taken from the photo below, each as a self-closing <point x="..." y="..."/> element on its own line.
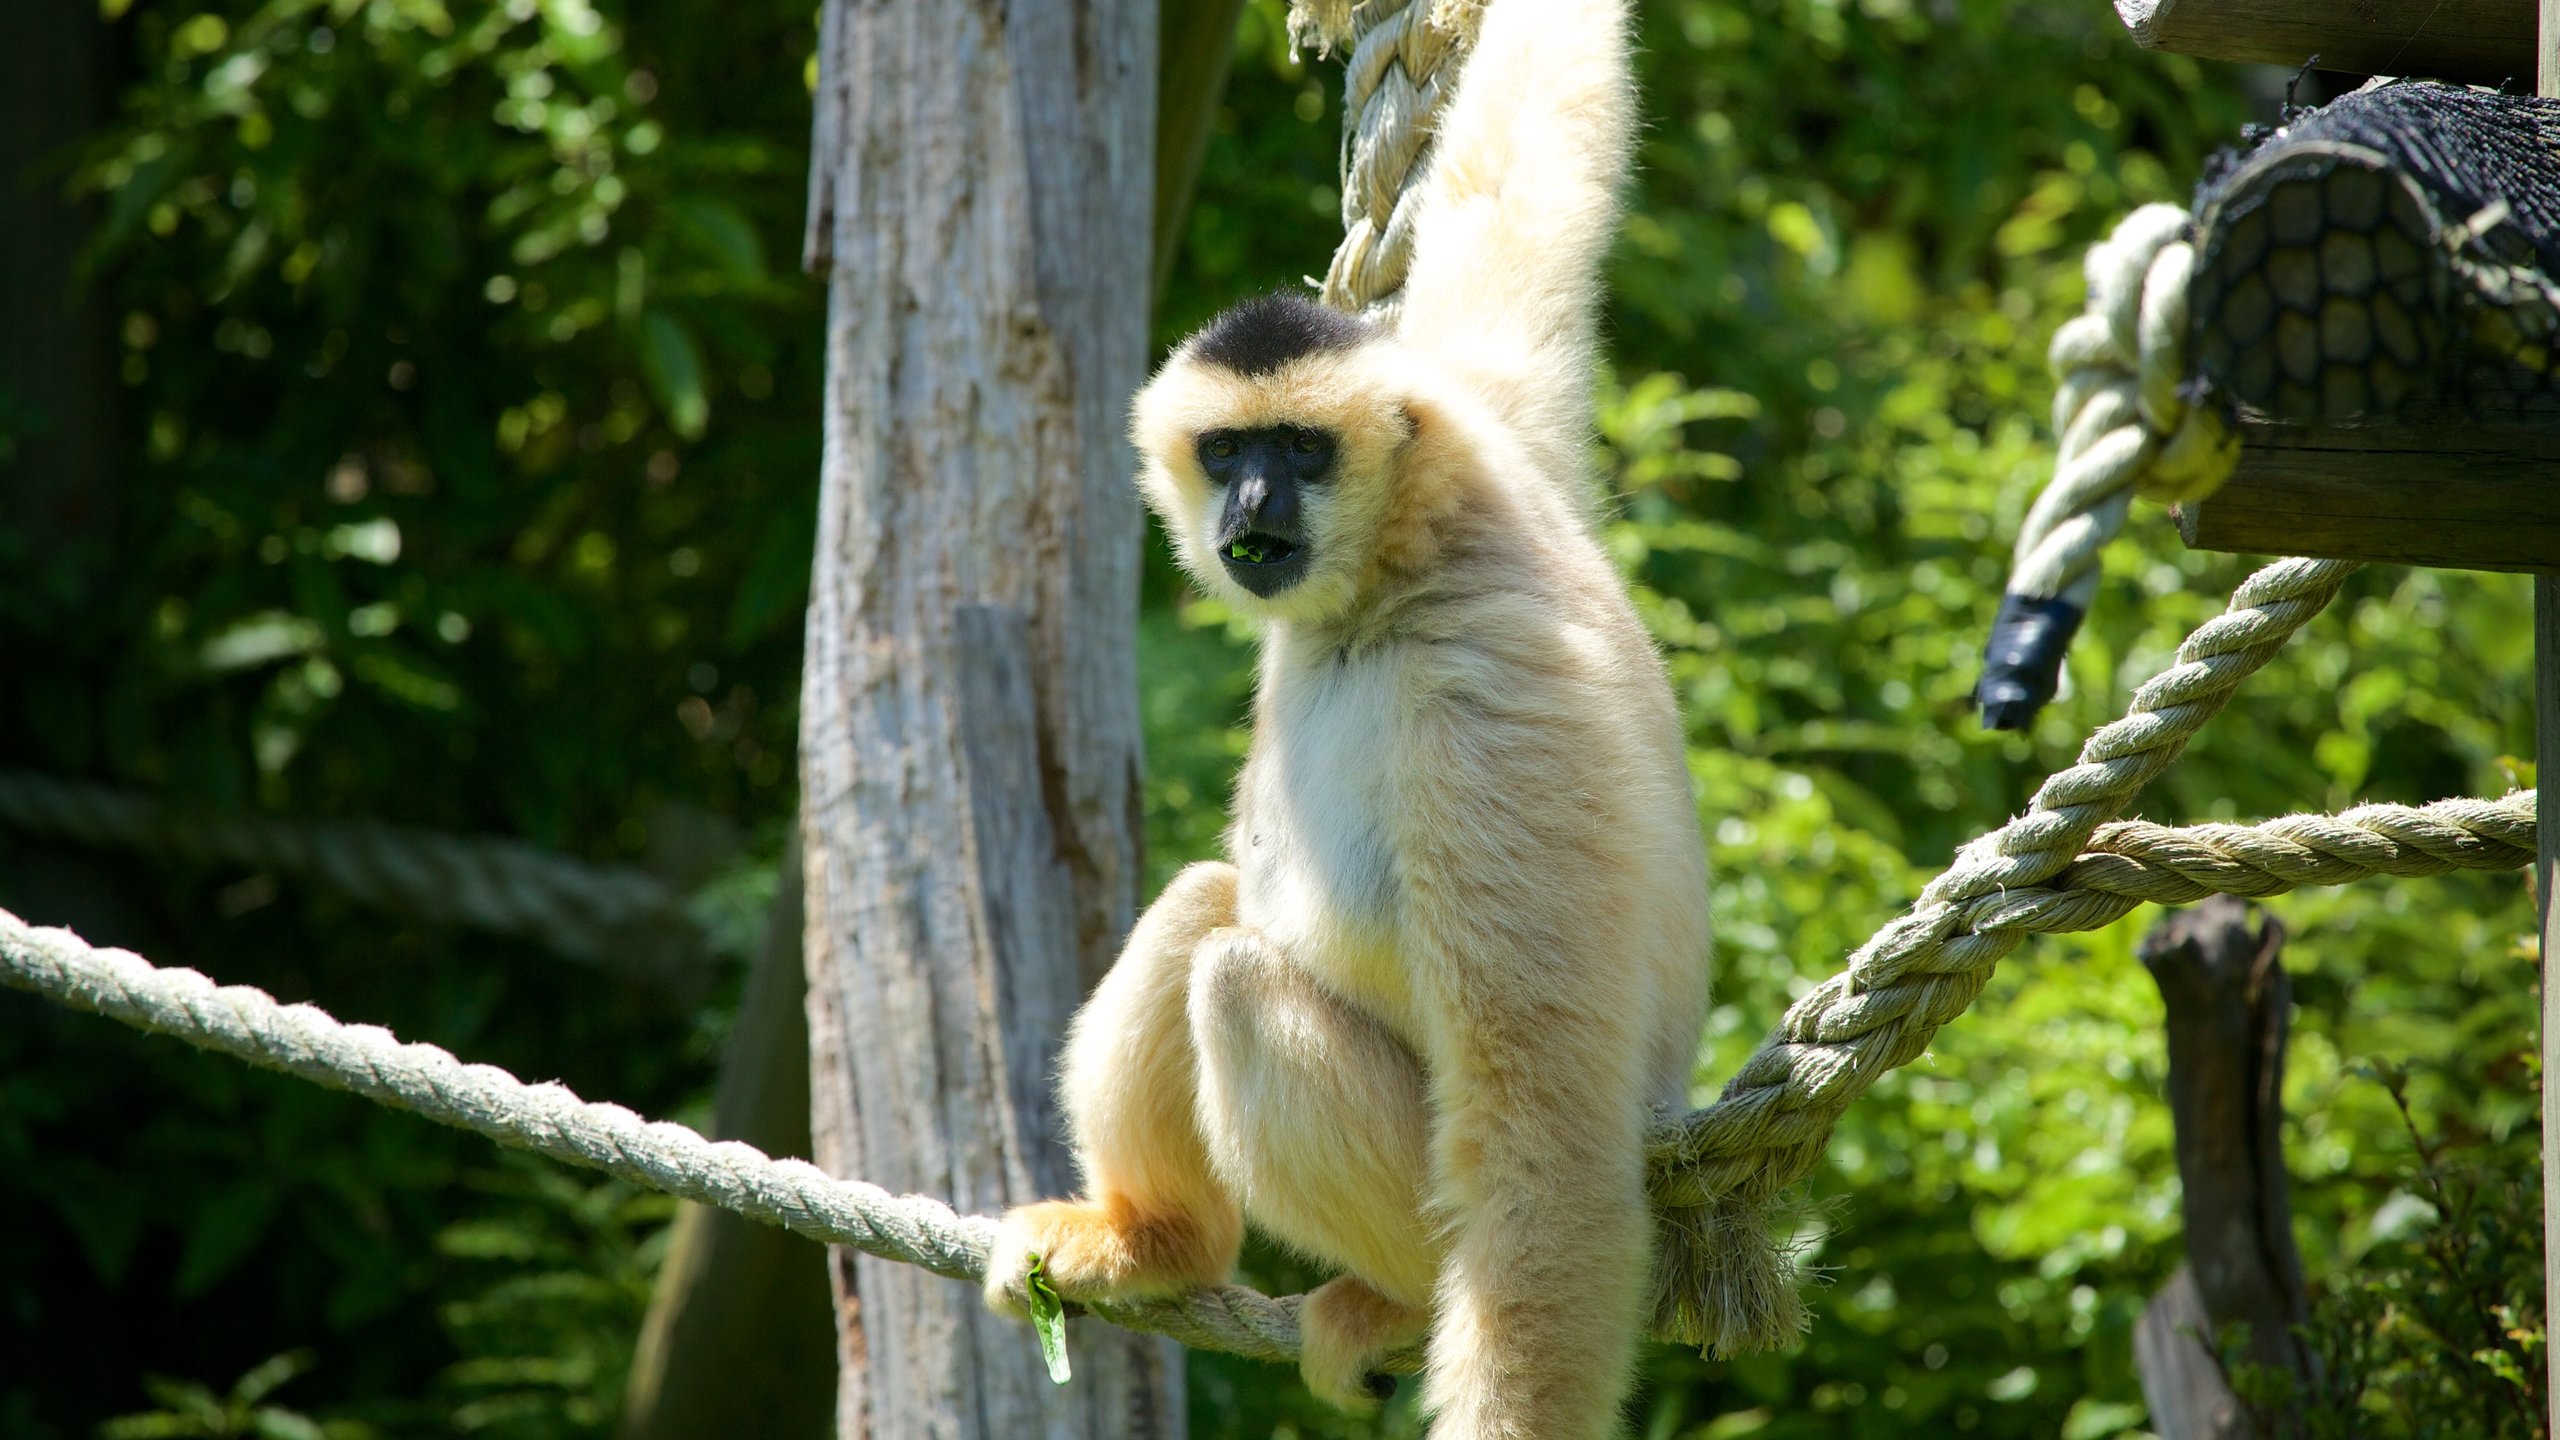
<point x="2546" y="870"/>
<point x="980" y="202"/>
<point x="2546" y="874"/>
<point x="57" y="353"/>
<point x="740" y="1336"/>
<point x="1197" y="48"/>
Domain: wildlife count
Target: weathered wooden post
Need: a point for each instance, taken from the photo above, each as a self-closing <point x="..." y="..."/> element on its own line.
<point x="2228" y="1005"/>
<point x="980" y="190"/>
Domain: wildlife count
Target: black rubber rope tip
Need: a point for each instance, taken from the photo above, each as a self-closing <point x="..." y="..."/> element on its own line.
<point x="2023" y="661"/>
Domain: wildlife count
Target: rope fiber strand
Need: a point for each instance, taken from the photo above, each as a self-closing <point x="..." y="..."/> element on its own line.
<point x="1401" y="59"/>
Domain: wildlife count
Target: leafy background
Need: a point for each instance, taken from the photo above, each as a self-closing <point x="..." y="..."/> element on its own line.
<point x="468" y="419"/>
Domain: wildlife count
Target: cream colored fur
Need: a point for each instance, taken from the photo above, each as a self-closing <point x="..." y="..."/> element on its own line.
<point x="1414" y="1028"/>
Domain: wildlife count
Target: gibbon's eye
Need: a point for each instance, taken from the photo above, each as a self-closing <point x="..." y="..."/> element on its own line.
<point x="1221" y="447"/>
<point x="1311" y="453"/>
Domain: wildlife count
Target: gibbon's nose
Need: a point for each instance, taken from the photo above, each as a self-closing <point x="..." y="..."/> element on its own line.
<point x="1265" y="503"/>
<point x="1258" y="536"/>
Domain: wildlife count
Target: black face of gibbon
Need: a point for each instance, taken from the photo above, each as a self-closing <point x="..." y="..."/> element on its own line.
<point x="1262" y="537"/>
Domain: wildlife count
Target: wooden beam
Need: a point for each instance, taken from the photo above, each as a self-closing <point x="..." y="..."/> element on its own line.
<point x="1195" y="47"/>
<point x="2477" y="42"/>
<point x="2460" y="494"/>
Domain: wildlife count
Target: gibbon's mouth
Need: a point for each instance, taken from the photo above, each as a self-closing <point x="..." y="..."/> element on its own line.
<point x="1263" y="563"/>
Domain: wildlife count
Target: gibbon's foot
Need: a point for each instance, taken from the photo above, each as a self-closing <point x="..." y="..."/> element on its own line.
<point x="1344" y="1331"/>
<point x="1100" y="1250"/>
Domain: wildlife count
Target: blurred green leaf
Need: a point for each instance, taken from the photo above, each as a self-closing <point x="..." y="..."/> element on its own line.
<point x="675" y="367"/>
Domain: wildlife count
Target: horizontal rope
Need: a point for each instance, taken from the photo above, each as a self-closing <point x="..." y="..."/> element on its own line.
<point x="2128" y="864"/>
<point x="598" y="913"/>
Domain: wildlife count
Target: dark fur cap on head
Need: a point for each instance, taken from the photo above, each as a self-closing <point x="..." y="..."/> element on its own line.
<point x="1265" y="333"/>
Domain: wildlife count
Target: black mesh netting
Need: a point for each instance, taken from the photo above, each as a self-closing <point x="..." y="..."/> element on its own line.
<point x="2395" y="248"/>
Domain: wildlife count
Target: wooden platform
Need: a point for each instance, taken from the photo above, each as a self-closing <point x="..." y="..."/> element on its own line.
<point x="2459" y="494"/>
<point x="2475" y="42"/>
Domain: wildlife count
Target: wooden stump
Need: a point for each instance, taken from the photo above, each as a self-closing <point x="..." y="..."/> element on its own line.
<point x="2228" y="1005"/>
<point x="738" y="1340"/>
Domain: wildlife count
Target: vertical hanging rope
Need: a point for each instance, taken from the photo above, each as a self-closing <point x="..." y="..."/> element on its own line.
<point x="2125" y="429"/>
<point x="1402" y="64"/>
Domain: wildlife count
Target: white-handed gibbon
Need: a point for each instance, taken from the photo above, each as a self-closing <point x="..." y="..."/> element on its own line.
<point x="1413" y="1030"/>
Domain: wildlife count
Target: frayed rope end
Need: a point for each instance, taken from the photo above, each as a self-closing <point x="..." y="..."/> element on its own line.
<point x="1722" y="1282"/>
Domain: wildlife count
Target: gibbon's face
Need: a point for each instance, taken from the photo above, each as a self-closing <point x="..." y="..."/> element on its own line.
<point x="1268" y="479"/>
<point x="1270" y="444"/>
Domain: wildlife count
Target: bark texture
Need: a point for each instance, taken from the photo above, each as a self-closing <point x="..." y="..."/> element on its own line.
<point x="981" y="192"/>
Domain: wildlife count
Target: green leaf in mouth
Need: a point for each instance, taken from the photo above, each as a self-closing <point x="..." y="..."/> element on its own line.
<point x="1249" y="551"/>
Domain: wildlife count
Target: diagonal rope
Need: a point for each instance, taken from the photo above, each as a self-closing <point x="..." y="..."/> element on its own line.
<point x="1922" y="969"/>
<point x="2126" y="865"/>
<point x="1726" y="1169"/>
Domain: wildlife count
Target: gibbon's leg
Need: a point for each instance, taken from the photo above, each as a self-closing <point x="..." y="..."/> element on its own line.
<point x="1518" y="934"/>
<point x="1315" y="1115"/>
<point x="1155" y="1219"/>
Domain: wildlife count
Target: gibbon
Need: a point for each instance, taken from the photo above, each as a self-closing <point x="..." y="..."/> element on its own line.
<point x="1414" y="1028"/>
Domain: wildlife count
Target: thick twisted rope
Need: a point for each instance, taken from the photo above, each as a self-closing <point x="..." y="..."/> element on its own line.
<point x="2127" y="864"/>
<point x="1729" y="1166"/>
<point x="1404" y="57"/>
<point x="549" y="1119"/>
<point x="591" y="912"/>
<point x="2126" y="429"/>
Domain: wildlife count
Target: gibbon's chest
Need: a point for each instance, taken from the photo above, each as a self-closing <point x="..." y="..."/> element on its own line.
<point x="1313" y="840"/>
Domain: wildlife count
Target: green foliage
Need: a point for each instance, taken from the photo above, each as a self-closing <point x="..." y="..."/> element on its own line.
<point x="2439" y="1330"/>
<point x="559" y="1271"/>
<point x="189" y="1411"/>
<point x="426" y="308"/>
<point x="471" y="393"/>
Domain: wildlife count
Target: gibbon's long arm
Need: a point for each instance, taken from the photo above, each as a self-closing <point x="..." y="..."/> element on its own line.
<point x="1521" y="206"/>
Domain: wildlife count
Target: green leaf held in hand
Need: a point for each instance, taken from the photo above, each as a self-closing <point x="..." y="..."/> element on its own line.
<point x="1049" y="1317"/>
